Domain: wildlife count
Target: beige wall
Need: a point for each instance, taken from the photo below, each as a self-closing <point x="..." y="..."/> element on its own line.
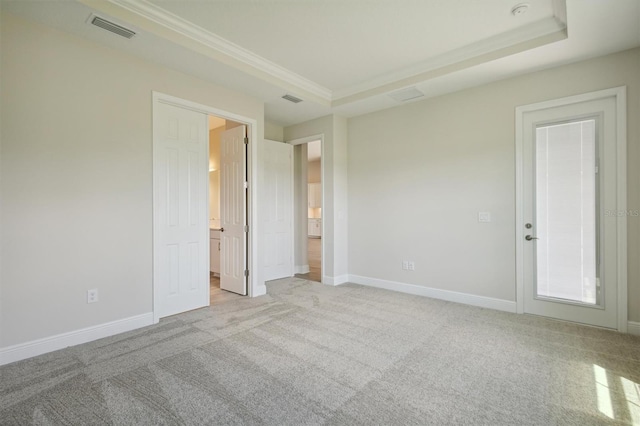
<point x="1" y="233"/>
<point x="300" y="195"/>
<point x="273" y="132"/>
<point x="77" y="178"/>
<point x="425" y="170"/>
<point x="214" y="176"/>
<point x="314" y="174"/>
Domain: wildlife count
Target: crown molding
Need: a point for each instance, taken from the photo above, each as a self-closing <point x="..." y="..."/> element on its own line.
<point x="505" y="44"/>
<point x="225" y="47"/>
<point x="560" y="11"/>
<point x="536" y="34"/>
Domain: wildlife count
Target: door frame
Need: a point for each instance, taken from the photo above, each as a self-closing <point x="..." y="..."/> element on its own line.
<point x="619" y="94"/>
<point x="254" y="288"/>
<point x="301" y="141"/>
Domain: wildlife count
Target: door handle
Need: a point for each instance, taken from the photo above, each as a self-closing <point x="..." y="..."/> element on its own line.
<point x="221" y="229"/>
<point x="529" y="238"/>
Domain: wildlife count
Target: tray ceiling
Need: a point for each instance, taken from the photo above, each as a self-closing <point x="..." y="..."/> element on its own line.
<point x="348" y="56"/>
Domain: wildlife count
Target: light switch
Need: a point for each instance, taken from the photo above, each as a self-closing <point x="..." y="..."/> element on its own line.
<point x="484" y="217"/>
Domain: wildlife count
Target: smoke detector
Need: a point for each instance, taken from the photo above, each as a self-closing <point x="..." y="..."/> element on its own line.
<point x="520" y="9"/>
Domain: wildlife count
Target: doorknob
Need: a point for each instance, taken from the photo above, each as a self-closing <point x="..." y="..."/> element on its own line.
<point x="529" y="238"/>
<point x="221" y="229"/>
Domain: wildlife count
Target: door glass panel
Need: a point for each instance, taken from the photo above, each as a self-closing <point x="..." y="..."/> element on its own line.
<point x="566" y="219"/>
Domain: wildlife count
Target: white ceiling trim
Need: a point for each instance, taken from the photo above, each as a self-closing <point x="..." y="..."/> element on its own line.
<point x="560" y="11"/>
<point x="520" y="39"/>
<point x="467" y="56"/>
<point x="533" y="35"/>
<point x="221" y="45"/>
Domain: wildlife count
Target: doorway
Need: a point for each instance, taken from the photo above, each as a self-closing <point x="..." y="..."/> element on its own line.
<point x="227" y="206"/>
<point x="314" y="211"/>
<point x="181" y="218"/>
<point x="571" y="185"/>
<point x="308" y="223"/>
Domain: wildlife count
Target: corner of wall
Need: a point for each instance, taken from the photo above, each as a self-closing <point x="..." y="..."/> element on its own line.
<point x="273" y="131"/>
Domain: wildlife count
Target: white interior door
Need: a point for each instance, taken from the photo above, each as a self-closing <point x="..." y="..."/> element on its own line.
<point x="276" y="207"/>
<point x="181" y="238"/>
<point x="233" y="212"/>
<point x="570" y="239"/>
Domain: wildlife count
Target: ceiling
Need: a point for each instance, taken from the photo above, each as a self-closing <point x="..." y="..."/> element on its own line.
<point x="348" y="56"/>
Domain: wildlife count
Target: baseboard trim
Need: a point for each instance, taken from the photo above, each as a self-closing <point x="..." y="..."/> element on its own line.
<point x="450" y="296"/>
<point x="301" y="269"/>
<point x="60" y="341"/>
<point x="633" y="328"/>
<point x="340" y="279"/>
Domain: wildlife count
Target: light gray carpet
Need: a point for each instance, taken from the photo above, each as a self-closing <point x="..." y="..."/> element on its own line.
<point x="349" y="355"/>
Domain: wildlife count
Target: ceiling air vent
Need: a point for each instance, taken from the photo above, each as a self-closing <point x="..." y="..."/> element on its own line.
<point x="110" y="26"/>
<point x="405" y="95"/>
<point x="292" y="98"/>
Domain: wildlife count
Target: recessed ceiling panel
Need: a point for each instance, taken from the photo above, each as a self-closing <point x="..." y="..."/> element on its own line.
<point x="339" y="44"/>
<point x="364" y="50"/>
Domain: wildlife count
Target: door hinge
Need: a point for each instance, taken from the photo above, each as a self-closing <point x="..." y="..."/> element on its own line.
<point x="246" y="185"/>
<point x="246" y="141"/>
<point x="597" y="169"/>
<point x="246" y="228"/>
<point x="246" y="272"/>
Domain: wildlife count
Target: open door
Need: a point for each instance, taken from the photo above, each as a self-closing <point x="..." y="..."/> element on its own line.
<point x="233" y="211"/>
<point x="275" y="172"/>
<point x="181" y="243"/>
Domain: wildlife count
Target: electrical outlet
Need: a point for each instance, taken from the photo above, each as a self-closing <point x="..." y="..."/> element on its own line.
<point x="412" y="266"/>
<point x="92" y="295"/>
<point x="405" y="265"/>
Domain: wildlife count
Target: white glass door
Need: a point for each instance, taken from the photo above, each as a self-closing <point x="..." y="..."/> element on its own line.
<point x="569" y="180"/>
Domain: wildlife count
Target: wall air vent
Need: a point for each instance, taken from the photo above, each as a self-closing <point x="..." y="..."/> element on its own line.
<point x="292" y="98"/>
<point x="110" y="26"/>
<point x="405" y="95"/>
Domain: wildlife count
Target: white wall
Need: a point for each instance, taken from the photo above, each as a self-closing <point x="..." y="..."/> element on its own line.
<point x="334" y="187"/>
<point x="77" y="178"/>
<point x="420" y="173"/>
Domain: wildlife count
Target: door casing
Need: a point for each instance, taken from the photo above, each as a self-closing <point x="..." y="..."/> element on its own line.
<point x="619" y="94"/>
<point x="255" y="287"/>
